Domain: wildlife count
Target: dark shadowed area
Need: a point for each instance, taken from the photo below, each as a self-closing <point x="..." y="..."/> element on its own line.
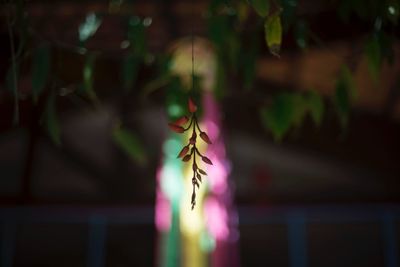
<point x="300" y="98"/>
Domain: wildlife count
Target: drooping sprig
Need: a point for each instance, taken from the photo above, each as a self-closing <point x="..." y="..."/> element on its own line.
<point x="190" y="151"/>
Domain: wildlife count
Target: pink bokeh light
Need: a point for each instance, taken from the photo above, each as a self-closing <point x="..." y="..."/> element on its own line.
<point x="216" y="218"/>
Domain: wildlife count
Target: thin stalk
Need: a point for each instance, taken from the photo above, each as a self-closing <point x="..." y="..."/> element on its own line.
<point x="197" y="125"/>
<point x="190" y="124"/>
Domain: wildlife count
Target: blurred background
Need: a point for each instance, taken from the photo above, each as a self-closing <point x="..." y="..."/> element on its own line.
<point x="300" y="98"/>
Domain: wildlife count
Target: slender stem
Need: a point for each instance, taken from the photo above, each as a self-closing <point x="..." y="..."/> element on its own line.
<point x="194" y="149"/>
<point x="194" y="146"/>
<point x="194" y="124"/>
<point x="197" y="125"/>
<point x="194" y="163"/>
<point x="194" y="119"/>
<point x="197" y="151"/>
<point x="190" y="124"/>
<point x="194" y="154"/>
<point x="192" y="37"/>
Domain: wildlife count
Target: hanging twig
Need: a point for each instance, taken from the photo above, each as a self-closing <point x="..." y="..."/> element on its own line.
<point x="190" y="150"/>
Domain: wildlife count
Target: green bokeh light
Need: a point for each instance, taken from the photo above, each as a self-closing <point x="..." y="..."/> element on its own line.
<point x="175" y="110"/>
<point x="207" y="242"/>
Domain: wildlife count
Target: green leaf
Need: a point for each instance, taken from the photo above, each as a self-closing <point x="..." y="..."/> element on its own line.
<point x="261" y="7"/>
<point x="51" y="119"/>
<point x="130" y="66"/>
<point x="344" y="94"/>
<point x="393" y="10"/>
<point x="130" y="144"/>
<point x="273" y="34"/>
<point x="89" y="27"/>
<point x="279" y="116"/>
<point x="40" y="70"/>
<point x="316" y="107"/>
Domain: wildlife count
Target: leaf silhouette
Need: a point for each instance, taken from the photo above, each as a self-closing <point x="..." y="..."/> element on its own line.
<point x="273" y="34"/>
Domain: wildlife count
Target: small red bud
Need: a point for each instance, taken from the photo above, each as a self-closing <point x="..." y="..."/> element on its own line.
<point x="187" y="158"/>
<point x="191" y="106"/>
<point x="182" y="120"/>
<point x="205" y="138"/>
<point x="183" y="152"/>
<point x="194" y="167"/>
<point x="206" y="160"/>
<point x="176" y="128"/>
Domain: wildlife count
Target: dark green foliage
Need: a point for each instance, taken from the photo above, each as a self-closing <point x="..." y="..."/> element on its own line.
<point x="378" y="48"/>
<point x="279" y="116"/>
<point x="227" y="44"/>
<point x="289" y="110"/>
<point x="136" y="36"/>
<point x="137" y="51"/>
<point x="236" y="39"/>
<point x="261" y="7"/>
